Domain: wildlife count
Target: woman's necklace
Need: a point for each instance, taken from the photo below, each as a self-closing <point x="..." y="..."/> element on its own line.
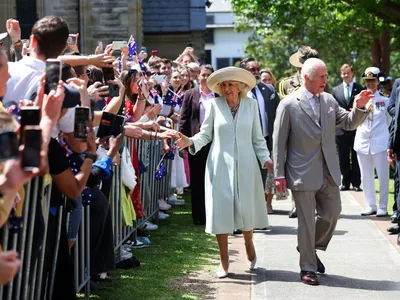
<point x="235" y="109"/>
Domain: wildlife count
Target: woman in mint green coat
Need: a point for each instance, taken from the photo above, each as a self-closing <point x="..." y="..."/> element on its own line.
<point x="233" y="185"/>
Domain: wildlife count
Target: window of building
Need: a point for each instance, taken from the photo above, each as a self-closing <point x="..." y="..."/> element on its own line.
<point x="210" y="19"/>
<point x="236" y="61"/>
<point x="223" y="62"/>
<point x="209" y="38"/>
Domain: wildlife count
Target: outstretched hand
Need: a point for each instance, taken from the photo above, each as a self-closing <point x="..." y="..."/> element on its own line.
<point x="182" y="141"/>
<point x="363" y="98"/>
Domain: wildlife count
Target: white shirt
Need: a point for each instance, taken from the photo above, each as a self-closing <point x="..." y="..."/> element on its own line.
<point x="345" y="89"/>
<point x="204" y="104"/>
<point x="372" y="135"/>
<point x="24" y="79"/>
<point x="311" y="98"/>
<point x="261" y="106"/>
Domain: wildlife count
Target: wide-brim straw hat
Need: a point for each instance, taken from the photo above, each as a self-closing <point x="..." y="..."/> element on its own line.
<point x="231" y="74"/>
<point x="295" y="61"/>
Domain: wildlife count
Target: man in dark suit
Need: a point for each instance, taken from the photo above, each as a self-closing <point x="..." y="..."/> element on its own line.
<point x="194" y="107"/>
<point x="268" y="101"/>
<point x="344" y="94"/>
<point x="394" y="141"/>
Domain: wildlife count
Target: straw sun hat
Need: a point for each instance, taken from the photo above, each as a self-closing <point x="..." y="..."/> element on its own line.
<point x="231" y="74"/>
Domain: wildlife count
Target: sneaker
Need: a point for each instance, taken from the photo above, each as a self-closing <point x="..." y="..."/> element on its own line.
<point x="381" y="212"/>
<point x="126" y="247"/>
<point x="162" y="216"/>
<point x="177" y="202"/>
<point x="150" y="226"/>
<point x="172" y="198"/>
<point x="136" y="244"/>
<point x="163" y="205"/>
<point x="125" y="254"/>
<point x="144" y="240"/>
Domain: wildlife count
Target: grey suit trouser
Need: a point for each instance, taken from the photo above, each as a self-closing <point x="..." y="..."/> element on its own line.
<point x="316" y="232"/>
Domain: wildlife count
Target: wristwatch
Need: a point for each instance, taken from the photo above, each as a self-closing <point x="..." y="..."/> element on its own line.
<point x="18" y="43"/>
<point x="91" y="156"/>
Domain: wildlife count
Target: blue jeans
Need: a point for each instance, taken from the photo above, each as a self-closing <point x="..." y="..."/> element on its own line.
<point x="75" y="220"/>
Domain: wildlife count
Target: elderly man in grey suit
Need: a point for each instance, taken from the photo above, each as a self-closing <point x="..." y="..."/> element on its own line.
<point x="305" y="158"/>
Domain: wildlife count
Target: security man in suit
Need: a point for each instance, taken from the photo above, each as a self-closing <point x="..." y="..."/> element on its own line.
<point x="344" y="94"/>
<point x="194" y="107"/>
<point x="293" y="83"/>
<point x="268" y="101"/>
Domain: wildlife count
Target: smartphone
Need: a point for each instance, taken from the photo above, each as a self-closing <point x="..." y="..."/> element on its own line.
<point x="32" y="146"/>
<point x="189" y="44"/>
<point x="118" y="125"/>
<point x="108" y="74"/>
<point x="106" y="124"/>
<point x="81" y="122"/>
<point x="71" y="39"/>
<point x="53" y="74"/>
<point x="100" y="44"/>
<point x="160" y="78"/>
<point x="154" y="52"/>
<point x="144" y="49"/>
<point x="113" y="90"/>
<point x="9" y="145"/>
<point x="144" y="88"/>
<point x="30" y="115"/>
<point x="116" y="45"/>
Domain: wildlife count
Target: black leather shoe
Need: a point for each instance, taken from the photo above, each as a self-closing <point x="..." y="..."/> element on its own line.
<point x="394" y="229"/>
<point x="395" y="217"/>
<point x="309" y="277"/>
<point x="320" y="265"/>
<point x="293" y="213"/>
<point x="357" y="189"/>
<point x="237" y="231"/>
<point x="344" y="188"/>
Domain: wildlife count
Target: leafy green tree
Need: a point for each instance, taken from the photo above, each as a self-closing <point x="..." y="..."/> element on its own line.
<point x="359" y="32"/>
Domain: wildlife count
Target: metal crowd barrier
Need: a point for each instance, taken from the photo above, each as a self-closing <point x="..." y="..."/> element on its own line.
<point x="30" y="283"/>
<point x="150" y="154"/>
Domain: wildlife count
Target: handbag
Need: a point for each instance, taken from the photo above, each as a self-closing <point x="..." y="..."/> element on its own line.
<point x="127" y="171"/>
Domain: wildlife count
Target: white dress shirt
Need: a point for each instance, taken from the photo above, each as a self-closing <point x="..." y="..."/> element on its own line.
<point x="261" y="106"/>
<point x="345" y="89"/>
<point x="24" y="79"/>
<point x="204" y="103"/>
<point x="312" y="100"/>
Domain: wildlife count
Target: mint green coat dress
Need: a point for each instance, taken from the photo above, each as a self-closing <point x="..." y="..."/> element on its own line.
<point x="234" y="194"/>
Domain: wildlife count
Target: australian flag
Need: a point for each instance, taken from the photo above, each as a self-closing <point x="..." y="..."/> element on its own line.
<point x="132" y="47"/>
<point x="141" y="65"/>
<point x="169" y="99"/>
<point x="180" y="96"/>
<point x="155" y="96"/>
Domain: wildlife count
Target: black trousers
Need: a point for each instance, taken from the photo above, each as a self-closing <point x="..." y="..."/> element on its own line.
<point x="197" y="165"/>
<point x="350" y="171"/>
<point x="396" y="184"/>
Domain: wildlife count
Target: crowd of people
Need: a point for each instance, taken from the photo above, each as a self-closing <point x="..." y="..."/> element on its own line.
<point x="231" y="136"/>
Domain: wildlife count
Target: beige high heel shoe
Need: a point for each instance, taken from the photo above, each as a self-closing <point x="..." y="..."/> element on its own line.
<point x="221" y="273"/>
<point x="252" y="263"/>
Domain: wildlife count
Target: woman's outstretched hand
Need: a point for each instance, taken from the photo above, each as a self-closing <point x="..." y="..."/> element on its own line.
<point x="182" y="141"/>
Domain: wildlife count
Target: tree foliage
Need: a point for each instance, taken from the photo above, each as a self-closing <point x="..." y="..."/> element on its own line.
<point x="336" y="28"/>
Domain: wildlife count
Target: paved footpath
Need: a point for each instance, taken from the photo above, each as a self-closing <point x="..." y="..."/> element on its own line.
<point x="361" y="261"/>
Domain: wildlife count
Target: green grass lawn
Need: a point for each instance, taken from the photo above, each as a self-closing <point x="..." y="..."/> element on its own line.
<point x="391" y="194"/>
<point x="177" y="248"/>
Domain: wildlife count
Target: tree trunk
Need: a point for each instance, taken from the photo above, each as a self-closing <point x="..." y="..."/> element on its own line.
<point x="380" y="52"/>
<point x="385" y="52"/>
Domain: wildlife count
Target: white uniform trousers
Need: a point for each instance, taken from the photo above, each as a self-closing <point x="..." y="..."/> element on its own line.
<point x="367" y="164"/>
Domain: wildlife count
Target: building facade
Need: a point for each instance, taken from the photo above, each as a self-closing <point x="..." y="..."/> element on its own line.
<point x="224" y="46"/>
